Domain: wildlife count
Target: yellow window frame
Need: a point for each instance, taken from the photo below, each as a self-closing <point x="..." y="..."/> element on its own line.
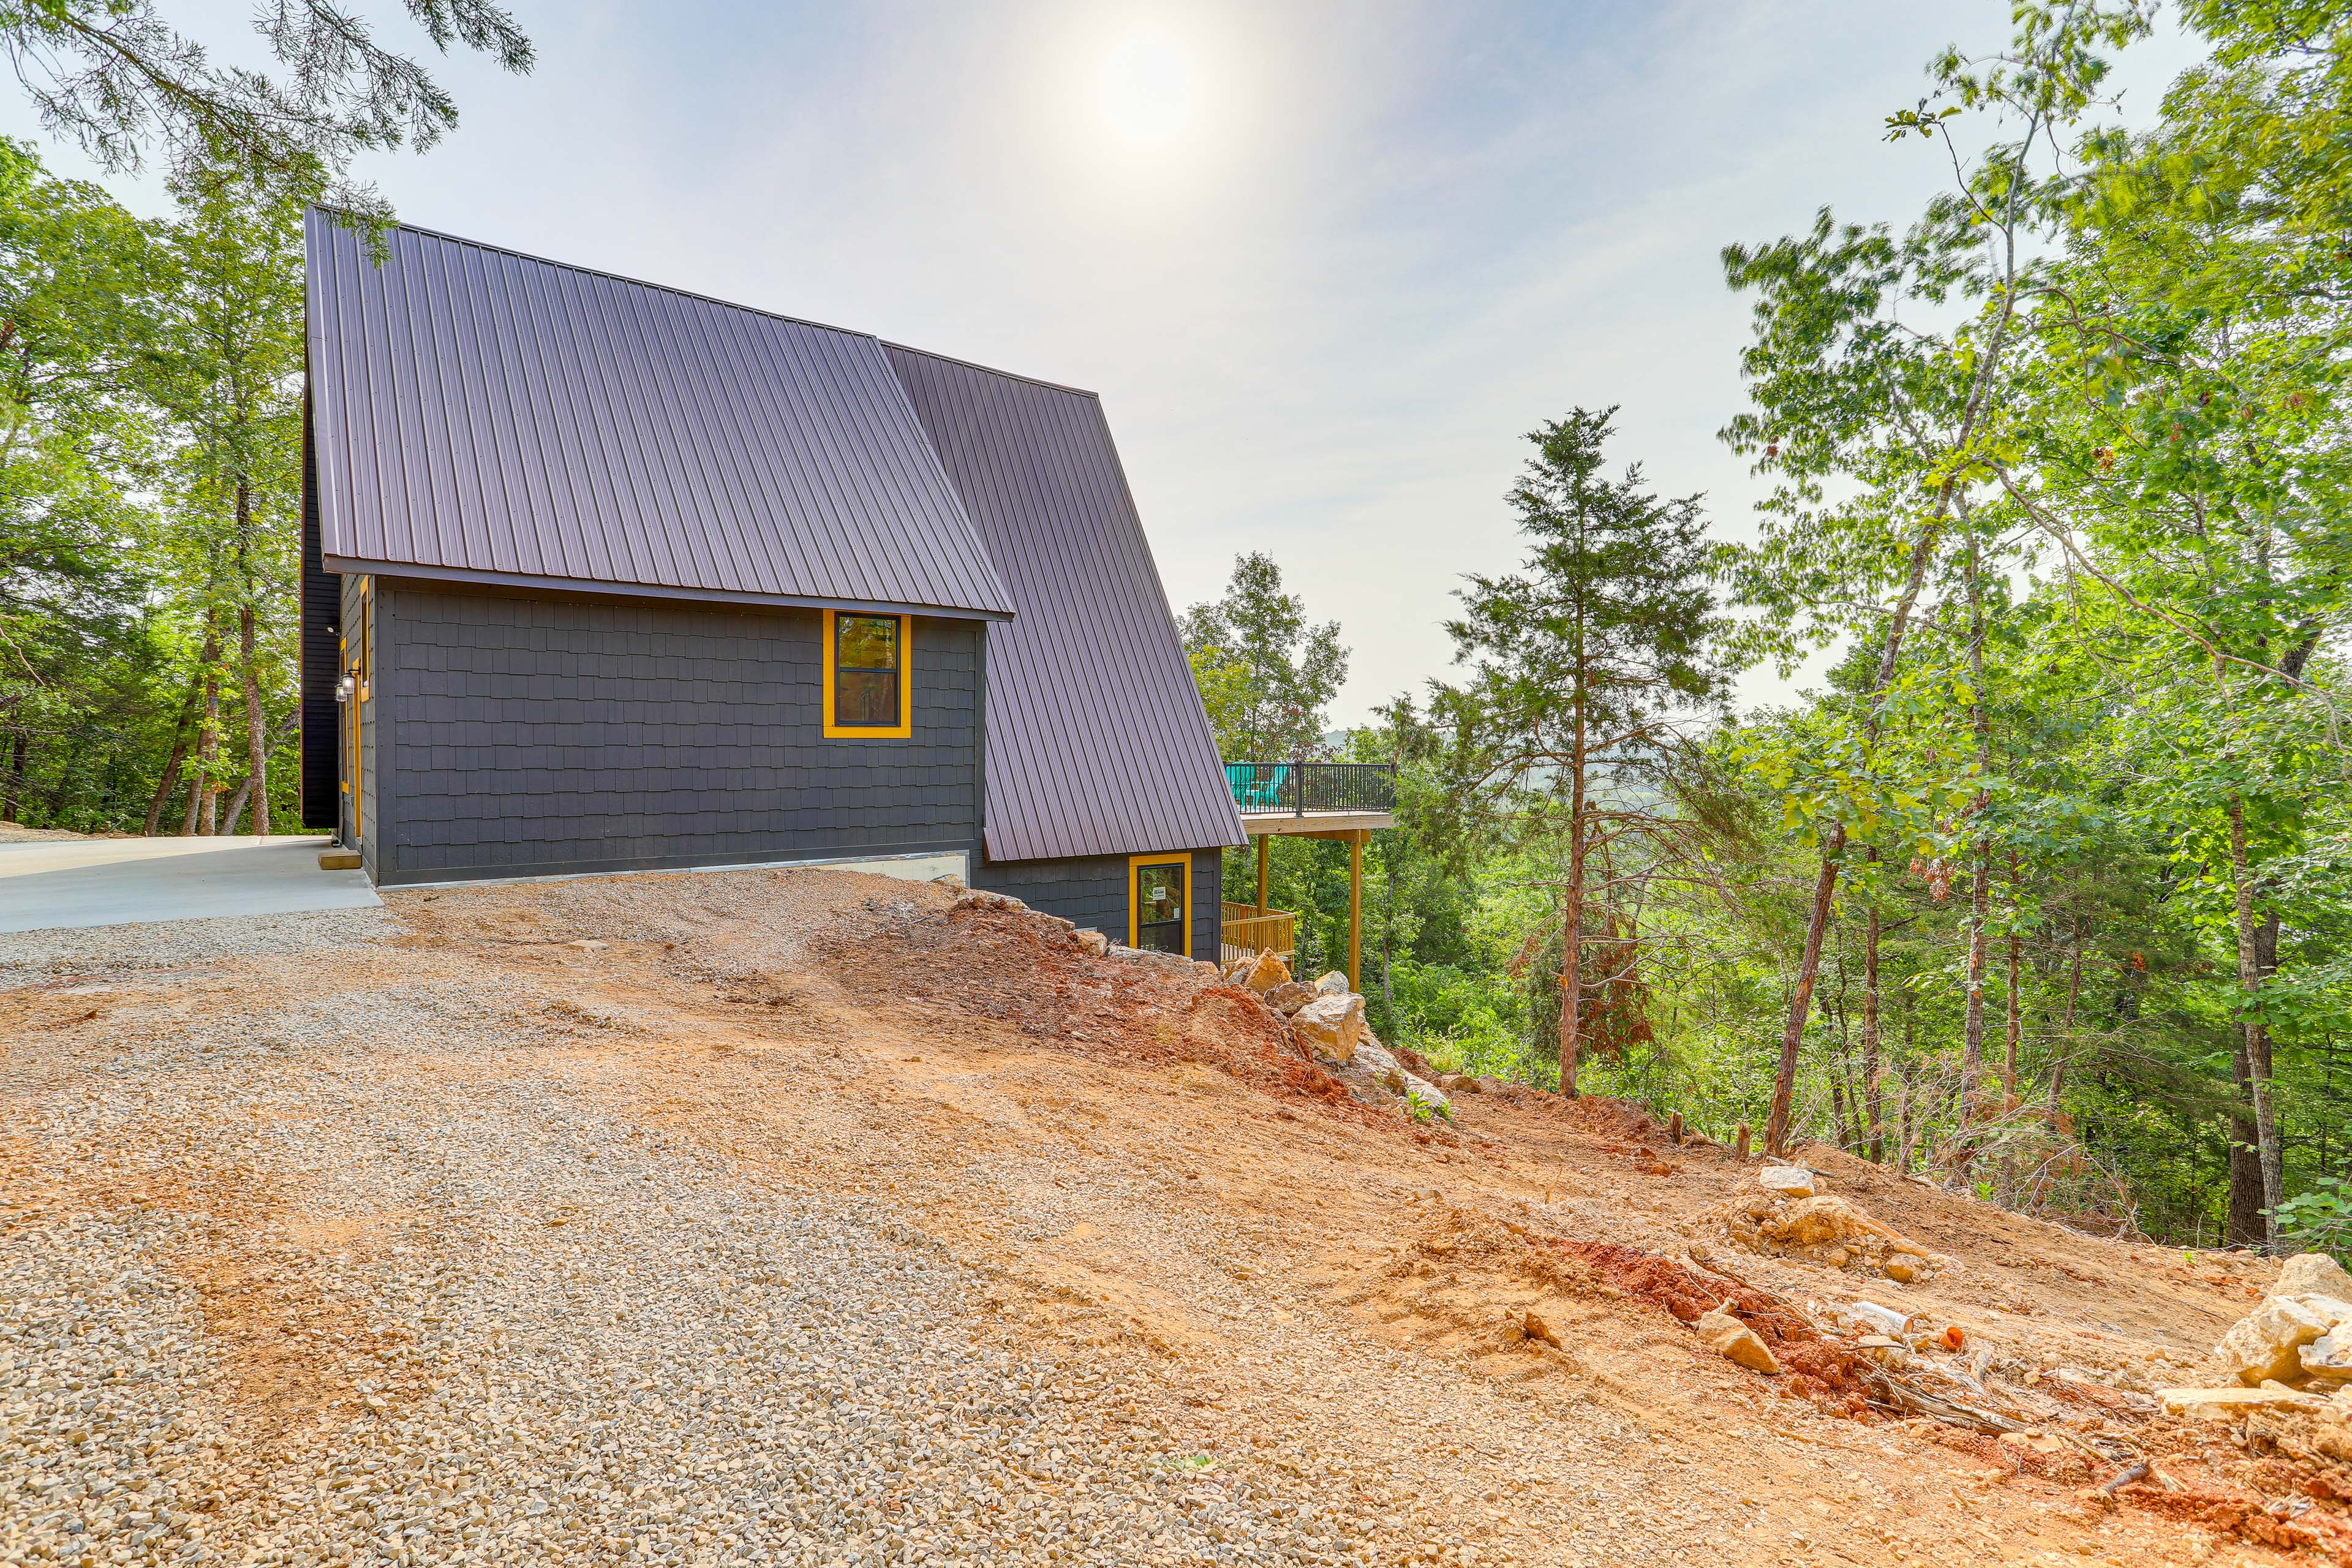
<point x="905" y="727"/>
<point x="1135" y="915"/>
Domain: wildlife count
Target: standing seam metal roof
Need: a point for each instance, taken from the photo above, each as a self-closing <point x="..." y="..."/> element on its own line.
<point x="484" y="413"/>
<point x="480" y="415"/>
<point x="1096" y="740"/>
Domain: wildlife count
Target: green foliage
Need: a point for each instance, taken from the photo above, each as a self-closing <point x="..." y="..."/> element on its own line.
<point x="2319" y="1219"/>
<point x="150" y="490"/>
<point x="120" y="81"/>
<point x="1267" y="675"/>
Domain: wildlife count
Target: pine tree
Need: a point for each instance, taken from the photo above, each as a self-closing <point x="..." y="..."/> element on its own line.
<point x="1588" y="664"/>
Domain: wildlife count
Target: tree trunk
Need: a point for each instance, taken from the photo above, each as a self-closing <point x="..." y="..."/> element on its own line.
<point x="2067" y="1047"/>
<point x="2008" y="1050"/>
<point x="2244" y="1226"/>
<point x="170" y="775"/>
<point x="2257" y="1037"/>
<point x="19" y="749"/>
<point x="201" y="801"/>
<point x="1571" y="936"/>
<point x="256" y="724"/>
<point x="245" y="789"/>
<point x="1981" y="875"/>
<point x="1873" y="1088"/>
<point x="1784" y="1080"/>
<point x="1572" y="968"/>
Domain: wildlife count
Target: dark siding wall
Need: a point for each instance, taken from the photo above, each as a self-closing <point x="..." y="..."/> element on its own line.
<point x="1207" y="892"/>
<point x="541" y="735"/>
<point x="322" y="611"/>
<point x="1092" y="891"/>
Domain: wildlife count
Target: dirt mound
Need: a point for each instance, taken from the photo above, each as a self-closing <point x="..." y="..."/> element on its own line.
<point x="1035" y="973"/>
<point x="1817" y="1368"/>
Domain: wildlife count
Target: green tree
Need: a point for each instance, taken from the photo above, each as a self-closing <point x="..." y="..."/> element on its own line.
<point x="2184" y="453"/>
<point x="116" y="78"/>
<point x="226" y="376"/>
<point x="1881" y="371"/>
<point x="76" y="300"/>
<point x="1570" y="732"/>
<point x="1268" y="675"/>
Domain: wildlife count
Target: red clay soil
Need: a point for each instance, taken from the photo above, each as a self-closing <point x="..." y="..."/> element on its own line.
<point x="1008" y="964"/>
<point x="1821" y="1370"/>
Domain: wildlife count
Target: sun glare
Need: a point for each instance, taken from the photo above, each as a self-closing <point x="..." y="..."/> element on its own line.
<point x="1150" y="89"/>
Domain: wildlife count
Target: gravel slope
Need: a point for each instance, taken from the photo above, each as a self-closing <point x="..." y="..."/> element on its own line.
<point x="316" y="1288"/>
<point x="792" y="1217"/>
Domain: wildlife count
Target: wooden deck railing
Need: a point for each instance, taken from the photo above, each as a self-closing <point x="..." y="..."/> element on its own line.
<point x="1248" y="933"/>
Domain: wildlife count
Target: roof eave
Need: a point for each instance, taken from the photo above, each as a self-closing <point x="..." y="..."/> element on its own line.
<point x="354" y="566"/>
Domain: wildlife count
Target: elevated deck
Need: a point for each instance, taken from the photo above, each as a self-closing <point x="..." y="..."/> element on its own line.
<point x="1257" y="824"/>
<point x="1299" y="799"/>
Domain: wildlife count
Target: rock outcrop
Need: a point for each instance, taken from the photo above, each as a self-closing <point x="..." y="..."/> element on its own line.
<point x="1824" y="1229"/>
<point x="1736" y="1342"/>
<point x="2313" y="1274"/>
<point x="1289" y="996"/>
<point x="1331" y="1026"/>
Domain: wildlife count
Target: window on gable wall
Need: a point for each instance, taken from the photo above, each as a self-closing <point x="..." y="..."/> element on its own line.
<point x="867" y="674"/>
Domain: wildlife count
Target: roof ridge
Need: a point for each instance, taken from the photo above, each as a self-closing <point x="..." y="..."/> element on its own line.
<point x="419" y="228"/>
<point x="993" y="370"/>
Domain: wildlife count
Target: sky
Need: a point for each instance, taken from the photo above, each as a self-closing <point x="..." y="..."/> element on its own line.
<point x="1325" y="263"/>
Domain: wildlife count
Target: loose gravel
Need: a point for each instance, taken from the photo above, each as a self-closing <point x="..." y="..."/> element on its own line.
<point x="360" y="1275"/>
<point x="28" y="958"/>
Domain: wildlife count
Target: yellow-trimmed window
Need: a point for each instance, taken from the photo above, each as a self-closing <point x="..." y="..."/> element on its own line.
<point x="1160" y="903"/>
<point x="869" y="674"/>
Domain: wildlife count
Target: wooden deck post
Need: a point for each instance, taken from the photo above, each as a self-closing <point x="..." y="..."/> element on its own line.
<point x="1356" y="910"/>
<point x="1262" y="840"/>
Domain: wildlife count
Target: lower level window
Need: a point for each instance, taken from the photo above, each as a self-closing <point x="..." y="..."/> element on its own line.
<point x="1161" y="915"/>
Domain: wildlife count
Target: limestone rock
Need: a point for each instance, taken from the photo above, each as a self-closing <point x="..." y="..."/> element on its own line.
<point x="1266" y="972"/>
<point x="1374" y="1058"/>
<point x="1534" y="1328"/>
<point x="1901" y="1269"/>
<point x="1789" y="1181"/>
<point x="1736" y="1342"/>
<point x="1428" y="1093"/>
<point x="2329" y="1356"/>
<point x="2268" y="1342"/>
<point x="1460" y="1083"/>
<point x="1331" y="1027"/>
<point x="1332" y="984"/>
<point x="2229" y="1404"/>
<point x="2334" y="1311"/>
<point x="1813" y="1221"/>
<point x="2313" y="1274"/>
<point x="1289" y="996"/>
<point x="1094" y="942"/>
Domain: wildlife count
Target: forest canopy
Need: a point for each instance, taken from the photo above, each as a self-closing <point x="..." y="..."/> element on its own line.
<point x="2044" y="889"/>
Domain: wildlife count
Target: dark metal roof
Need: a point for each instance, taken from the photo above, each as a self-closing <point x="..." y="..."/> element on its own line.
<point x="1096" y="743"/>
<point x="489" y="416"/>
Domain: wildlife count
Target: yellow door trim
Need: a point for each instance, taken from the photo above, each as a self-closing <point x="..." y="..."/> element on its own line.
<point x="1134" y="916"/>
<point x="905" y="728"/>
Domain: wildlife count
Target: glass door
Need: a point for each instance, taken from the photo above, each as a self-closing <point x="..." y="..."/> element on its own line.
<point x="1161" y="892"/>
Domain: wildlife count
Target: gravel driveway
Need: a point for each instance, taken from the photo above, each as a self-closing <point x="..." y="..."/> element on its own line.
<point x="413" y="1298"/>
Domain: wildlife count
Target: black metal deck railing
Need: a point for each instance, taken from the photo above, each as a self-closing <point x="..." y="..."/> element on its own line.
<point x="1300" y="787"/>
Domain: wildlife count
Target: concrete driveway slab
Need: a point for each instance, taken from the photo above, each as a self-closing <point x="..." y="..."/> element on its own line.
<point x="75" y="883"/>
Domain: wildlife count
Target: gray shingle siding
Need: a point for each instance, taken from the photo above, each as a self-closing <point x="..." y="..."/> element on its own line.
<point x="541" y="735"/>
<point x="1091" y="890"/>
